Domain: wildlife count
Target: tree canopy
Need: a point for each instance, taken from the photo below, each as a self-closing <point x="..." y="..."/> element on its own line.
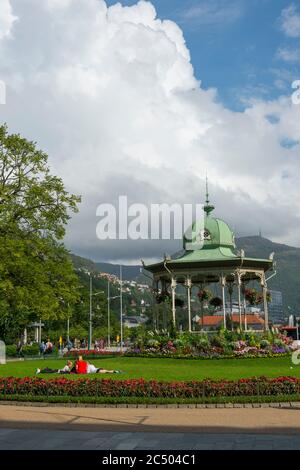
<point x="37" y="279"/>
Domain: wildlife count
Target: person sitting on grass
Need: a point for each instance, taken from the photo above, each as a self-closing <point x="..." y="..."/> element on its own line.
<point x="65" y="370"/>
<point x="81" y="366"/>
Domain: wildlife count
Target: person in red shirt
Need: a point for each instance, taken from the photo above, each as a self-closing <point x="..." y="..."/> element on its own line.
<point x="81" y="366"/>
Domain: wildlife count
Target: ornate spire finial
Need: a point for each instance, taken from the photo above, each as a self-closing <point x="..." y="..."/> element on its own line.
<point x="208" y="208"/>
<point x="207" y="194"/>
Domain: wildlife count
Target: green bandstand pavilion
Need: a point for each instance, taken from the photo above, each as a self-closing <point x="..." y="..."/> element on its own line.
<point x="209" y="256"/>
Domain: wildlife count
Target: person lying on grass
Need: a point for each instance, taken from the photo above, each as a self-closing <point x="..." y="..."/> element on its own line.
<point x="80" y="367"/>
<point x="68" y="369"/>
<point x="84" y="367"/>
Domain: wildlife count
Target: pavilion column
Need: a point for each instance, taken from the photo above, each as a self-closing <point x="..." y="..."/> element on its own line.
<point x="230" y="292"/>
<point x="223" y="285"/>
<point x="245" y="310"/>
<point x="266" y="309"/>
<point x="36" y="334"/>
<point x="40" y="331"/>
<point x="189" y="290"/>
<point x="239" y="282"/>
<point x="155" y="306"/>
<point x="173" y="288"/>
<point x="25" y="336"/>
<point x="245" y="306"/>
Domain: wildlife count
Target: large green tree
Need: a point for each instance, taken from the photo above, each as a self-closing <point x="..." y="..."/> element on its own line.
<point x="37" y="279"/>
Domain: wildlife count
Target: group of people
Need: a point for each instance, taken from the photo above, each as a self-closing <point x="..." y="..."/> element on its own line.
<point x="79" y="367"/>
<point x="46" y="347"/>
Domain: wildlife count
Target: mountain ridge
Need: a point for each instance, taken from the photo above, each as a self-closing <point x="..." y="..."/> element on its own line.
<point x="287" y="258"/>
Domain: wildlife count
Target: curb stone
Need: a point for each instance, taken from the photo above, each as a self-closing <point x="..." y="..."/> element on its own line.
<point x="153" y="406"/>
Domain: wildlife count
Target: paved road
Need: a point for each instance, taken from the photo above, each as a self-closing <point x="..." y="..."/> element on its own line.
<point x="59" y="427"/>
<point x="11" y="439"/>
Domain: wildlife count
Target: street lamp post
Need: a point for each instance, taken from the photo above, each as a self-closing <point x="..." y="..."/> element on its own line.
<point x="121" y="308"/>
<point x="68" y="330"/>
<point x="108" y="314"/>
<point x="91" y="314"/>
<point x="109" y="298"/>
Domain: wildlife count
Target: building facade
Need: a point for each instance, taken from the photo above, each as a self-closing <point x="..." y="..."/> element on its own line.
<point x="276" y="313"/>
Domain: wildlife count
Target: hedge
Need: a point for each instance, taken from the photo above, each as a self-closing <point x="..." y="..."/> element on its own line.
<point x="28" y="350"/>
<point x="148" y="401"/>
<point x="267" y="354"/>
<point x="94" y="354"/>
<point x="85" y="387"/>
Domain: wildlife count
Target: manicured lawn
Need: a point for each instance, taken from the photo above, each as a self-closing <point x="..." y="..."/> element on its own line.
<point x="168" y="369"/>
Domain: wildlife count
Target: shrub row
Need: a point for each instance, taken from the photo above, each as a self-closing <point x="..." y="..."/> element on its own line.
<point x="148" y="401"/>
<point x="205" y="356"/>
<point x="261" y="386"/>
<point x="29" y="350"/>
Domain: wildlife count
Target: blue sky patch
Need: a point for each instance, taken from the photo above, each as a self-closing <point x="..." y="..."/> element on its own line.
<point x="288" y="143"/>
<point x="243" y="48"/>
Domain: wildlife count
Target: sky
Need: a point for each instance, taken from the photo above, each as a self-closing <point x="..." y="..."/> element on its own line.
<point x="237" y="46"/>
<point x="144" y="98"/>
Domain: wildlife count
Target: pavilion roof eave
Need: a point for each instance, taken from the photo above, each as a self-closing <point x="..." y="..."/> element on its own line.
<point x="235" y="262"/>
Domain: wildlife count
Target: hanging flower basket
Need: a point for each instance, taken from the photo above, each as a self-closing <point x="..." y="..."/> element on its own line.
<point x="251" y="295"/>
<point x="260" y="298"/>
<point x="204" y="295"/>
<point x="256" y="298"/>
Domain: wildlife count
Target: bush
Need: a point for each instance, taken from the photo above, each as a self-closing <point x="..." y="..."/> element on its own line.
<point x="153" y="343"/>
<point x="219" y="341"/>
<point x="264" y="344"/>
<point x="200" y="341"/>
<point x="11" y="350"/>
<point x="64" y="387"/>
<point x="224" y="343"/>
<point x="150" y="401"/>
<point x="32" y="350"/>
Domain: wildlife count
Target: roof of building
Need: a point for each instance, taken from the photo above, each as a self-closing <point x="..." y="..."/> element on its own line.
<point x="209" y="242"/>
<point x="216" y="320"/>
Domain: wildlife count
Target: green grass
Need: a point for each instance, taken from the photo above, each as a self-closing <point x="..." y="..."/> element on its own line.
<point x="168" y="369"/>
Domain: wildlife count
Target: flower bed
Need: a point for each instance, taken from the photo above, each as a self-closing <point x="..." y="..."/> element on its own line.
<point x="221" y="344"/>
<point x="205" y="355"/>
<point x="262" y="386"/>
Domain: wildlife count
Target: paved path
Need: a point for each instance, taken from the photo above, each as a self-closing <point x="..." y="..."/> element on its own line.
<point x="11" y="439"/>
<point x="56" y="427"/>
<point x="235" y="420"/>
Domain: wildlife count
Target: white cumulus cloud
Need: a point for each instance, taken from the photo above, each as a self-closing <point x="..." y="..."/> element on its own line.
<point x="291" y="21"/>
<point x="6" y="18"/>
<point x="289" y="55"/>
<point x="111" y="94"/>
